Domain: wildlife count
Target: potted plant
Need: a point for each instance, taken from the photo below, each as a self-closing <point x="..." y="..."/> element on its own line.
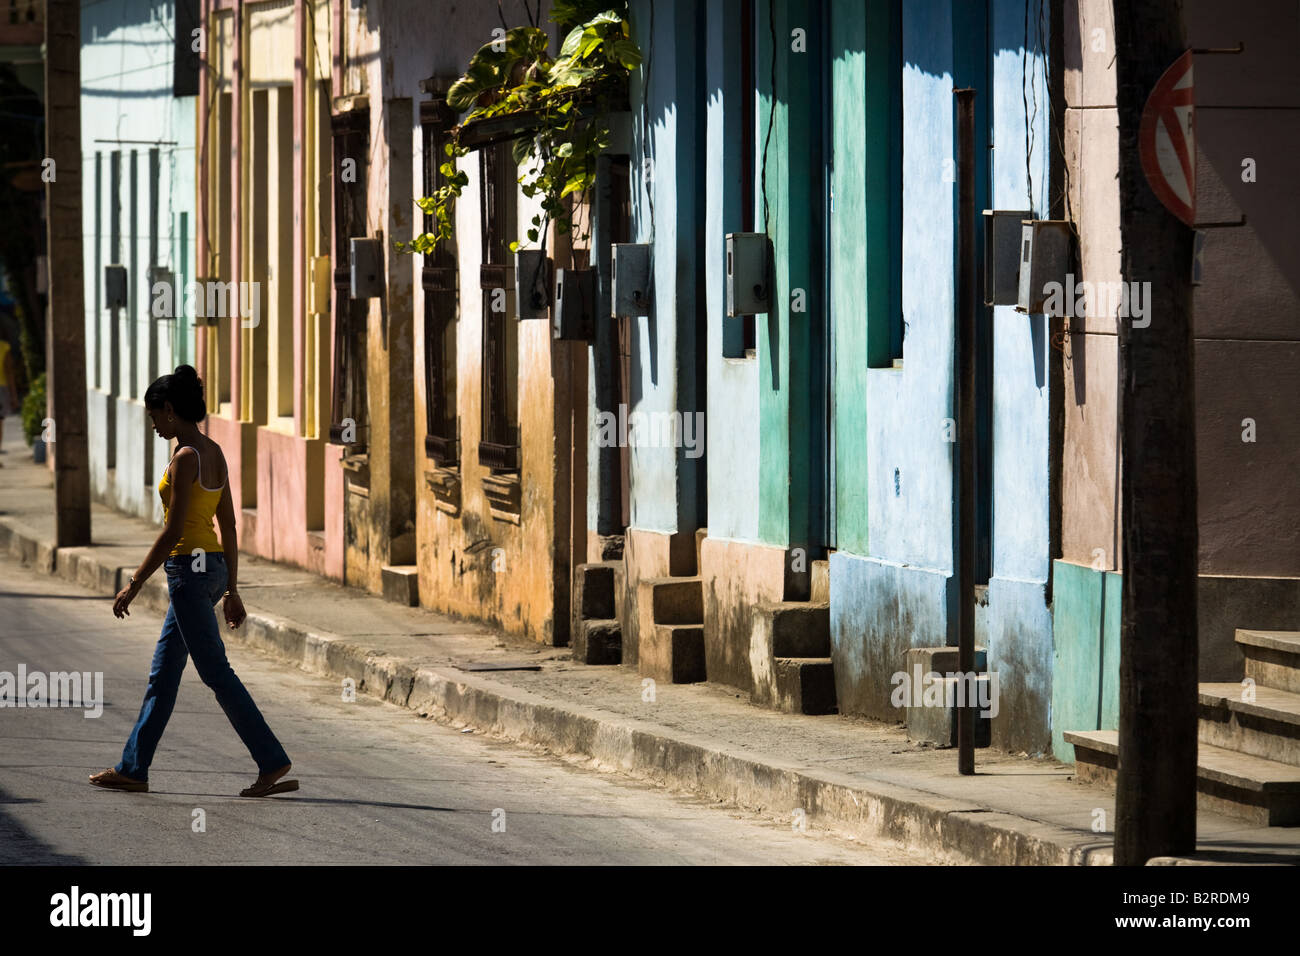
<point x="557" y="111"/>
<point x="34" y="417"/>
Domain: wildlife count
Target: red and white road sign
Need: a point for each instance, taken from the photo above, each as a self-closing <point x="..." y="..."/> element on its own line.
<point x="1167" y="140"/>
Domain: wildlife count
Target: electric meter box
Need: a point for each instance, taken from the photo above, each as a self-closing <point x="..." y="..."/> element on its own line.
<point x="366" y="259"/>
<point x="749" y="285"/>
<point x="532" y="284"/>
<point x="630" y="266"/>
<point x="1044" y="259"/>
<point x="115" y="287"/>
<point x="1002" y="229"/>
<point x="575" y="304"/>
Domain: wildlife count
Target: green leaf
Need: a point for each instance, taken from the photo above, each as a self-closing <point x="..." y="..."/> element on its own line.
<point x="491" y="66"/>
<point x="576" y="183"/>
<point x="626" y="53"/>
<point x="570" y="45"/>
<point x="521" y="150"/>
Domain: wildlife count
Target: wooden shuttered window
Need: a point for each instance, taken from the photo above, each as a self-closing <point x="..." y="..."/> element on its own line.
<point x="438" y="278"/>
<point x="499" y="447"/>
<point x="351" y="141"/>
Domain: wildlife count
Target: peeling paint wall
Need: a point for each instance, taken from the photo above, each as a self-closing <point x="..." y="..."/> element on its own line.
<point x="476" y="556"/>
<point x="892" y="584"/>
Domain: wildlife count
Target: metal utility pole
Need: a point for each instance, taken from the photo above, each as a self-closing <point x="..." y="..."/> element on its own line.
<point x="1156" y="793"/>
<point x="67" y="339"/>
<point x="964" y="361"/>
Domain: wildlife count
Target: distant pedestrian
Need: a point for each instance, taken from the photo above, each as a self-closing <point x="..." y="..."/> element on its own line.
<point x="194" y="488"/>
<point x="8" y="387"/>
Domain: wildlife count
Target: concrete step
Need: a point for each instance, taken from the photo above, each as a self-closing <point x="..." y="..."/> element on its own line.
<point x="941" y="660"/>
<point x="1272" y="658"/>
<point x="804" y="685"/>
<point x="790" y="648"/>
<point x="672" y="600"/>
<point x="796" y="628"/>
<point x="401" y="583"/>
<point x="1262" y="791"/>
<point x="596" y="586"/>
<point x="1267" y="726"/>
<point x="820" y="588"/>
<point x="932" y="703"/>
<point x="700" y="535"/>
<point x="598" y="642"/>
<point x="673" y="653"/>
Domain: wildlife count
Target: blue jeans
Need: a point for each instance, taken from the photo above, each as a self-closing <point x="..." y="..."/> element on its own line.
<point x="191" y="630"/>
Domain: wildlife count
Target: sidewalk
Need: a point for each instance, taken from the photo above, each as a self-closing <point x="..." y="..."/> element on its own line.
<point x="855" y="777"/>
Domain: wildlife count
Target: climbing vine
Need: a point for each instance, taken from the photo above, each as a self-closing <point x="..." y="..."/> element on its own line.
<point x="564" y="103"/>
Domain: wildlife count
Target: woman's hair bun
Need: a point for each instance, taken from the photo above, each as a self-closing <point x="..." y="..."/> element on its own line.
<point x="184" y="389"/>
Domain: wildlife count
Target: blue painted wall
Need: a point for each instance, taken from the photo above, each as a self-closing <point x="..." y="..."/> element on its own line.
<point x="666" y="208"/>
<point x="127" y="57"/>
<point x="900" y="593"/>
<point x="733" y="418"/>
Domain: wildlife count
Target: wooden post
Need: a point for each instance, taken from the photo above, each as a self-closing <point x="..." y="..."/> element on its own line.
<point x="67" y="338"/>
<point x="1156" y="792"/>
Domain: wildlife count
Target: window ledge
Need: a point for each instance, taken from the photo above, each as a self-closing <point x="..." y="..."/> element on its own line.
<point x="503" y="495"/>
<point x="282" y="425"/>
<point x="357" y="473"/>
<point x="895" y="366"/>
<point x="445" y="485"/>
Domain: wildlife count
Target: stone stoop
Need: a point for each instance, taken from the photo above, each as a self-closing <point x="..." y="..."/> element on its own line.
<point x="820" y="586"/>
<point x="401" y="583"/>
<point x="790" y="657"/>
<point x="672" y="629"/>
<point x="597" y="637"/>
<point x="1248" y="758"/>
<point x="938" y="725"/>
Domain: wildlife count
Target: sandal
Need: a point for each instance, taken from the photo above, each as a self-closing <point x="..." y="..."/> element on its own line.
<point x="110" y="779"/>
<point x="267" y="785"/>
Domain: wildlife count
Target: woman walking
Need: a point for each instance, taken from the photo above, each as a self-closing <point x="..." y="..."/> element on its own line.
<point x="200" y="570"/>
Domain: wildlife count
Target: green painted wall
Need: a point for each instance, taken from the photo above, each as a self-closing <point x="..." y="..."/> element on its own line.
<point x="864" y="247"/>
<point x="1085" y="630"/>
<point x="784" y="335"/>
<point x="849" y="255"/>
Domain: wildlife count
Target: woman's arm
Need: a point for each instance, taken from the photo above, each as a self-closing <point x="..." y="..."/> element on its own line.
<point x="233" y="606"/>
<point x="184" y="470"/>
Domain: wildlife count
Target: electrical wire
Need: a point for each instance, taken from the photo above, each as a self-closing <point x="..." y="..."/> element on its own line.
<point x="771" y="106"/>
<point x="1024" y="99"/>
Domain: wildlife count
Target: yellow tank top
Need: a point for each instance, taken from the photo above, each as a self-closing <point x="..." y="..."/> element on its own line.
<point x="197" y="532"/>
<point x="4" y="354"/>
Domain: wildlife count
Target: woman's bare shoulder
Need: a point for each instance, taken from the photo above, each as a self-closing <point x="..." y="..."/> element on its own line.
<point x="220" y="457"/>
<point x="185" y="462"/>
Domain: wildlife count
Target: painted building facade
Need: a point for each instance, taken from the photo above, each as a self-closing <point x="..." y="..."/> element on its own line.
<point x="137" y="132"/>
<point x="792" y="532"/>
<point x="372" y="440"/>
<point x="830" y="419"/>
<point x="1246" y="325"/>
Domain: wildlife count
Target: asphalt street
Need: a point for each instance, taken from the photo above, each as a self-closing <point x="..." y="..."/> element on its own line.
<point x="379" y="784"/>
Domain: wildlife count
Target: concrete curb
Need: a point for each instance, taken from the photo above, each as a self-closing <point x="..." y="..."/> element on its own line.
<point x="955" y="830"/>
